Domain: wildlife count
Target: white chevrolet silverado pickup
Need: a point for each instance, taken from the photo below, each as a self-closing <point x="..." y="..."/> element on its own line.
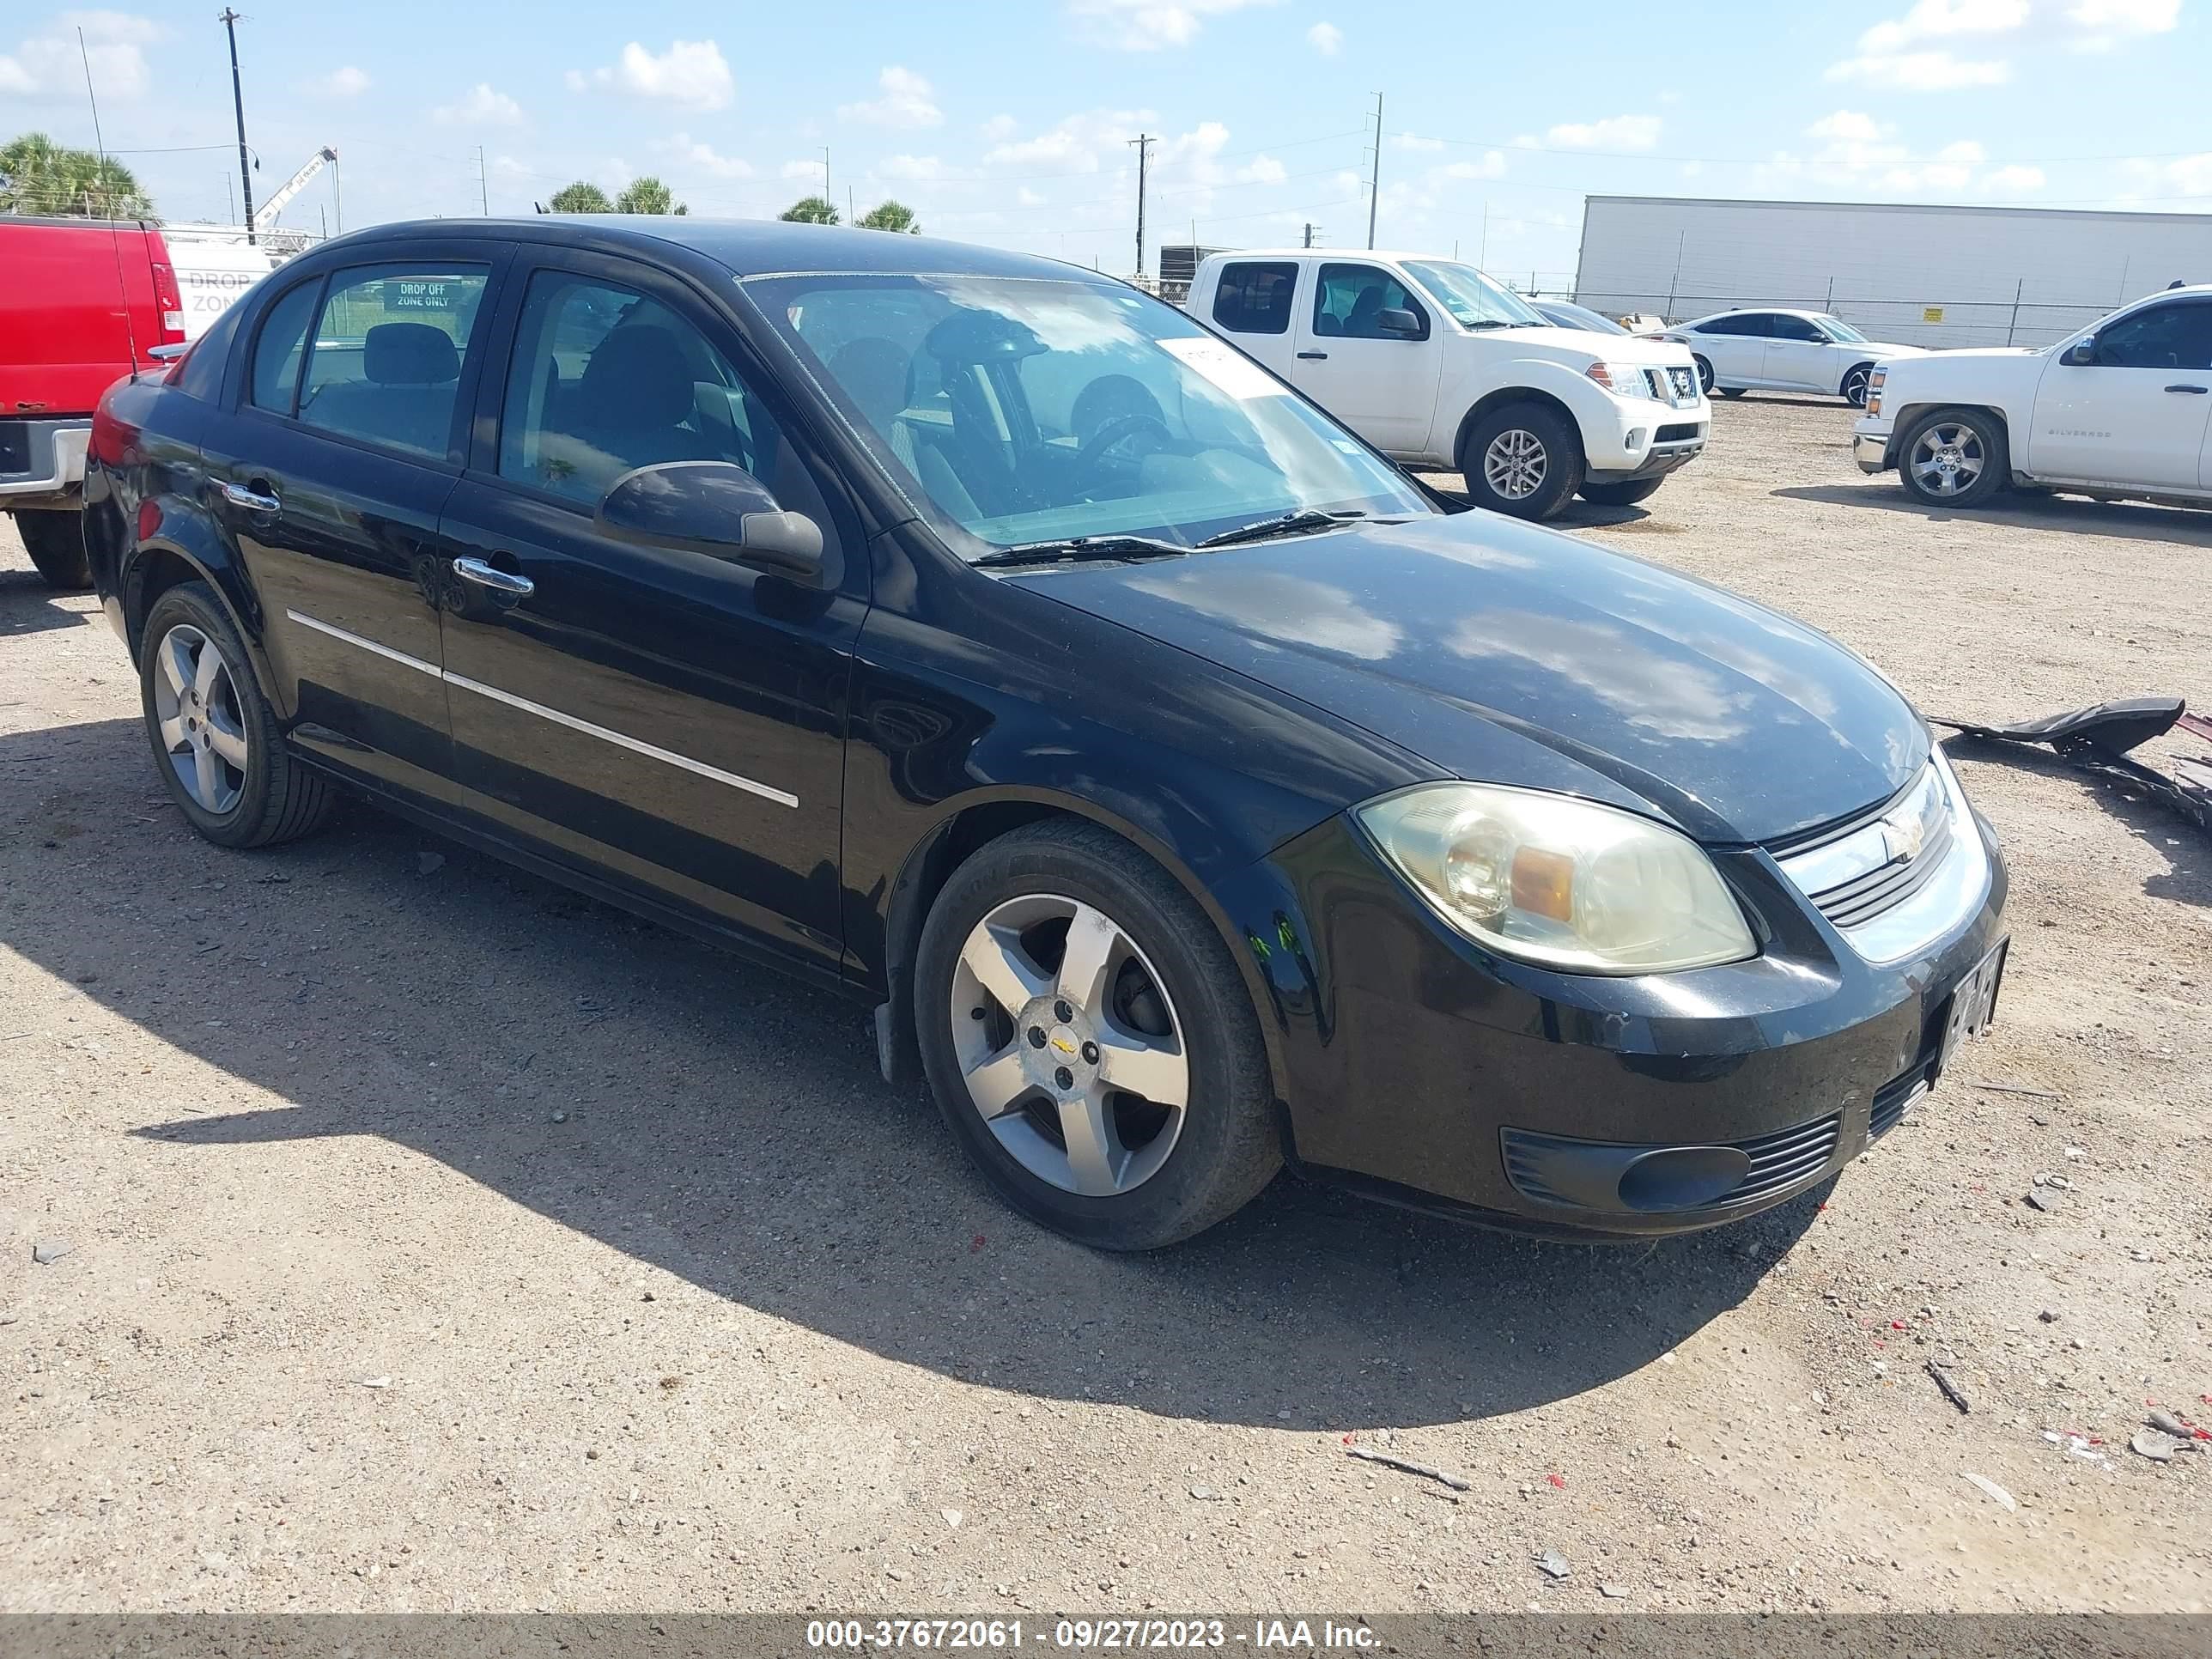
<point x="1439" y="367"/>
<point x="2122" y="408"/>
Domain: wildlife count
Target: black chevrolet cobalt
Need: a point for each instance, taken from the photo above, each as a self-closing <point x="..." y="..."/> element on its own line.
<point x="1188" y="792"/>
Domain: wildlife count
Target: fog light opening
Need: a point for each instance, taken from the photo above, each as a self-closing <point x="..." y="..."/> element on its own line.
<point x="1683" y="1177"/>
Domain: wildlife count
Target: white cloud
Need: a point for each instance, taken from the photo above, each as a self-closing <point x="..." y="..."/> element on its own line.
<point x="1262" y="170"/>
<point x="906" y="101"/>
<point x="1415" y="141"/>
<point x="1922" y="71"/>
<point x="482" y="106"/>
<point x="344" y="82"/>
<point x="691" y="74"/>
<point x="1148" y="25"/>
<point x="912" y="167"/>
<point x="2104" y="23"/>
<point x="1489" y="165"/>
<point x="697" y="153"/>
<point x="1614" y="132"/>
<point x="1000" y="127"/>
<point x="1859" y="152"/>
<point x="2186" y="175"/>
<point x="809" y="171"/>
<point x="1935" y="20"/>
<point x="1326" y="39"/>
<point x="2013" y="181"/>
<point x="47" y="65"/>
<point x="1847" y="126"/>
<point x="1075" y="144"/>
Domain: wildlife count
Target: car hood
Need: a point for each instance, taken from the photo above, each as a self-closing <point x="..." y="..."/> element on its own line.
<point x="1500" y="652"/>
<point x="1885" y="348"/>
<point x="1581" y="344"/>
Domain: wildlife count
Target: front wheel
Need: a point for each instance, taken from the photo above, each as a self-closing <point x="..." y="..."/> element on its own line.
<point x="1854" y="385"/>
<point x="1626" y="493"/>
<point x="1954" y="458"/>
<point x="54" y="541"/>
<point x="1524" y="459"/>
<point x="214" y="736"/>
<point x="1090" y="1041"/>
<point x="1704" y="375"/>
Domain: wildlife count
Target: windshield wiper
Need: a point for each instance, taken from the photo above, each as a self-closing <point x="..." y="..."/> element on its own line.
<point x="1076" y="549"/>
<point x="1286" y="523"/>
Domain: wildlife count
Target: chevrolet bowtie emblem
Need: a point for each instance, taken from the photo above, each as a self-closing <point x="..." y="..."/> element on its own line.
<point x="1903" y="835"/>
<point x="1063" y="1045"/>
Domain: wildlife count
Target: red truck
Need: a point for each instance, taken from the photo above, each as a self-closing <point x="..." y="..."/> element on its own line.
<point x="82" y="302"/>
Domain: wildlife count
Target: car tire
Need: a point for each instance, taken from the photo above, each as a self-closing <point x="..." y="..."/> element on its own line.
<point x="1727" y="392"/>
<point x="215" y="737"/>
<point x="1704" y="373"/>
<point x="1025" y="1089"/>
<point x="1853" y="388"/>
<point x="1524" y="459"/>
<point x="1954" y="458"/>
<point x="55" y="540"/>
<point x="1624" y="494"/>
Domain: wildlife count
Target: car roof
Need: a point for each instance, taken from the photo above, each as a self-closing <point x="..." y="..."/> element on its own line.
<point x="1399" y="255"/>
<point x="746" y="248"/>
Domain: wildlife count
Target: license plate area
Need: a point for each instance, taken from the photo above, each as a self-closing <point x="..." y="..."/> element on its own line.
<point x="1972" y="1005"/>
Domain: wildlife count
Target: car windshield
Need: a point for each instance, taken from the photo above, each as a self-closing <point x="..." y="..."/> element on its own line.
<point x="1014" y="411"/>
<point x="1838" y="327"/>
<point x="1567" y="316"/>
<point x="1473" y="299"/>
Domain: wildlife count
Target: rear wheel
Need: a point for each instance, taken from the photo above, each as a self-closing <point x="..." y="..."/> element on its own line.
<point x="1854" y="385"/>
<point x="1090" y="1041"/>
<point x="54" y="541"/>
<point x="1525" y="459"/>
<point x="1954" y="458"/>
<point x="215" y="735"/>
<point x="1625" y="493"/>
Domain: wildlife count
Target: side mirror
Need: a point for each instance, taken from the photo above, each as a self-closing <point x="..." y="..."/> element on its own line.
<point x="2082" y="354"/>
<point x="1397" y="321"/>
<point x="713" y="508"/>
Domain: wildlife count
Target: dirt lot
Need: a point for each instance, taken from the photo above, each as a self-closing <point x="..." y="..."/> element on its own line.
<point x="442" y="1241"/>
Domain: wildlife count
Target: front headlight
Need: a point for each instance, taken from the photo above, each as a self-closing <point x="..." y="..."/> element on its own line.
<point x="1622" y="379"/>
<point x="1564" y="883"/>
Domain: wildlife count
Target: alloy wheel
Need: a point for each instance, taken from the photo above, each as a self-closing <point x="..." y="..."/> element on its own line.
<point x="1070" y="1050"/>
<point x="197" y="710"/>
<point x="1855" y="388"/>
<point x="1947" y="457"/>
<point x="1514" y="464"/>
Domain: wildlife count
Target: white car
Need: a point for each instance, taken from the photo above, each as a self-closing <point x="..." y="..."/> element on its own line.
<point x="1439" y="367"/>
<point x="1785" y="351"/>
<point x="2123" y="407"/>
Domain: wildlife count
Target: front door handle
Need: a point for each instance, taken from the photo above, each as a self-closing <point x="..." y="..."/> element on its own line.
<point x="252" y="500"/>
<point x="1313" y="356"/>
<point x="491" y="576"/>
<point x="2188" y="388"/>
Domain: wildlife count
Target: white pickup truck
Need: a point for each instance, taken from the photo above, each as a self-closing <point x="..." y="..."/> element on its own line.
<point x="2123" y="407"/>
<point x="1438" y="366"/>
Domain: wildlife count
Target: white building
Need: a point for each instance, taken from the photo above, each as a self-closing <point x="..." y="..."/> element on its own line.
<point x="1920" y="276"/>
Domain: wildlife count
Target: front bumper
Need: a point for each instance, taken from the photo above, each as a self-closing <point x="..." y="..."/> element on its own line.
<point x="42" y="462"/>
<point x="1871" y="450"/>
<point x="1423" y="1070"/>
<point x="1646" y="438"/>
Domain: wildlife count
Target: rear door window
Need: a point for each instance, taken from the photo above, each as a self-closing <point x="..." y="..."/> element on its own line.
<point x="280" y="345"/>
<point x="1748" y="322"/>
<point x="1255" y="297"/>
<point x="384" y="365"/>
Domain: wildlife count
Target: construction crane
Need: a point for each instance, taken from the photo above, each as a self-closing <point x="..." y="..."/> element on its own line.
<point x="266" y="215"/>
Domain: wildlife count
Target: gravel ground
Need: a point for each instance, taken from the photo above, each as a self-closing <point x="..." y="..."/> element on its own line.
<point x="441" y="1241"/>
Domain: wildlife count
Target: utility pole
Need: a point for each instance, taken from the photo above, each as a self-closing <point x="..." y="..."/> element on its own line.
<point x="1311" y="228"/>
<point x="337" y="199"/>
<point x="826" y="197"/>
<point x="1144" y="142"/>
<point x="483" y="186"/>
<point x="230" y="22"/>
<point x="1482" y="258"/>
<point x="1374" y="181"/>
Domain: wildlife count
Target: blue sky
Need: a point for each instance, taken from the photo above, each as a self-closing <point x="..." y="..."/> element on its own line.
<point x="1008" y="123"/>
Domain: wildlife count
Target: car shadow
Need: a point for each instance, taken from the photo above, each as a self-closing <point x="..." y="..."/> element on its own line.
<point x="29" y="606"/>
<point x="2187" y="850"/>
<point x="727" y="1125"/>
<point x="1788" y="400"/>
<point x="2127" y="520"/>
<point x="1577" y="514"/>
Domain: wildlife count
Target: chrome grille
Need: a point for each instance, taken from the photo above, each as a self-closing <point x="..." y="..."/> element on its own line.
<point x="1862" y="898"/>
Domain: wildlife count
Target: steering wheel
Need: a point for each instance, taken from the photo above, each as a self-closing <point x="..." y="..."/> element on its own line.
<point x="1117" y="430"/>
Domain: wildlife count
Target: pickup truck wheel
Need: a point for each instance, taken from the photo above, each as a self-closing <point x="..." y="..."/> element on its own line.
<point x="1853" y="388"/>
<point x="54" y="541"/>
<point x="1954" y="458"/>
<point x="1626" y="493"/>
<point x="1524" y="459"/>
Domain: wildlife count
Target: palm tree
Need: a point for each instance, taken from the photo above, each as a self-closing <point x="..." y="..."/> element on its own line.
<point x="582" y="197"/>
<point x="810" y="211"/>
<point x="37" y="175"/>
<point x="648" y="195"/>
<point x="891" y="214"/>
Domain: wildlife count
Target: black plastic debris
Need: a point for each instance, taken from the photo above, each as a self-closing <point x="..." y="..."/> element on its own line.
<point x="2097" y="739"/>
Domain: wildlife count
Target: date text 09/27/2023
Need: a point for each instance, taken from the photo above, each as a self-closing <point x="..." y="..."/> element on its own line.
<point x="1085" y="1635"/>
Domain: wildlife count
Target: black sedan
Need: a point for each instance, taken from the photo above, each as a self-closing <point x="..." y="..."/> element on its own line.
<point x="1188" y="791"/>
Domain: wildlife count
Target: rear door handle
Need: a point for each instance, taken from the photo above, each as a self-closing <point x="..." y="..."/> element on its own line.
<point x="252" y="500"/>
<point x="1313" y="356"/>
<point x="491" y="576"/>
<point x="2187" y="388"/>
